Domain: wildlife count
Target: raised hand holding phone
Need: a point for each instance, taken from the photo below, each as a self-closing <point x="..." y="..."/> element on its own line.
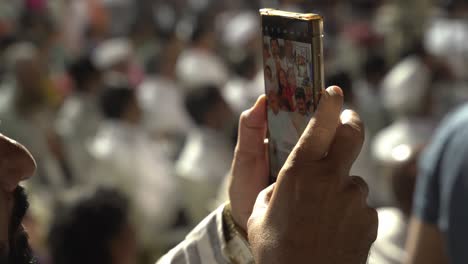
<point x="293" y="67"/>
<point x="316" y="213"/>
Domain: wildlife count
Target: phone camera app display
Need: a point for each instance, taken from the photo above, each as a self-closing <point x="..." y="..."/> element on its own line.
<point x="289" y="88"/>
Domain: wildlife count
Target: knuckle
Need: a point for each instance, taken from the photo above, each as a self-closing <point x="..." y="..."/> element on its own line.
<point x="373" y="223"/>
<point x="244" y="116"/>
<point x="351" y="132"/>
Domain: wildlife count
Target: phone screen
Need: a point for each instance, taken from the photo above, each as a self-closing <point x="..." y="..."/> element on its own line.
<point x="290" y="73"/>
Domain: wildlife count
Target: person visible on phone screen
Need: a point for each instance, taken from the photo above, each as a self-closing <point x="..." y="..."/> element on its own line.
<point x="275" y="48"/>
<point x="276" y="54"/>
<point x="289" y="56"/>
<point x="282" y="130"/>
<point x="283" y="90"/>
<point x="288" y="91"/>
<point x="268" y="58"/>
<point x="301" y="66"/>
<point x="301" y="116"/>
<point x="270" y="84"/>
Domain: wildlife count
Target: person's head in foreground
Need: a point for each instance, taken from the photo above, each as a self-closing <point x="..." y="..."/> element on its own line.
<point x="94" y="229"/>
<point x="16" y="165"/>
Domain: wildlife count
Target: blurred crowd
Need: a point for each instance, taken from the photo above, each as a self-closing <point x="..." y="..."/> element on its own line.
<point x="143" y="97"/>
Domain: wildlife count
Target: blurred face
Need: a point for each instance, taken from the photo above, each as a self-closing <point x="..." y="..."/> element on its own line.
<point x="282" y="78"/>
<point x="133" y="113"/>
<point x="301" y="106"/>
<point x="223" y="116"/>
<point x="275" y="50"/>
<point x="29" y="79"/>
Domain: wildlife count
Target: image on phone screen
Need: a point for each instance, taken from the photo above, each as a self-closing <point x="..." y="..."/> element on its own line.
<point x="288" y="69"/>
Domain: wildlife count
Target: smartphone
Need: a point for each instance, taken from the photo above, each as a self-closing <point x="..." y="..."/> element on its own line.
<point x="294" y="78"/>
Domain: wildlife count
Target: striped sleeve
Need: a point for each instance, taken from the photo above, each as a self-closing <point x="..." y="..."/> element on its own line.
<point x="204" y="245"/>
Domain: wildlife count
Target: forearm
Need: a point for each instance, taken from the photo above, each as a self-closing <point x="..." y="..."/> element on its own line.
<point x="205" y="244"/>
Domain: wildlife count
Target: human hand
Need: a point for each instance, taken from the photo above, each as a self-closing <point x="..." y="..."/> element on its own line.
<point x="16" y="164"/>
<point x="316" y="213"/>
<point x="249" y="172"/>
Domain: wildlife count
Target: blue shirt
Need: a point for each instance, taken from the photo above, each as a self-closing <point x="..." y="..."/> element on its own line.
<point x="441" y="195"/>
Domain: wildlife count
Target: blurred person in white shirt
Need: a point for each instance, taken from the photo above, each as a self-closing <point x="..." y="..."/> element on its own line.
<point x="401" y="161"/>
<point x="78" y="119"/>
<point x="161" y="99"/>
<point x="116" y="59"/>
<point x="207" y="154"/>
<point x="281" y="128"/>
<point x="25" y="114"/>
<point x="199" y="64"/>
<point x="130" y="161"/>
<point x="407" y="95"/>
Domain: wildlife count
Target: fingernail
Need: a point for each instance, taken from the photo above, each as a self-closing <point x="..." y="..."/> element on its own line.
<point x="334" y="90"/>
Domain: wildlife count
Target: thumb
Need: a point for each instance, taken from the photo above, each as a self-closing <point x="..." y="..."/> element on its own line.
<point x="252" y="129"/>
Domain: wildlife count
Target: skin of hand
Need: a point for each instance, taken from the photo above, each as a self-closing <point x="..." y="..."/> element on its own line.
<point x="315" y="212"/>
<point x="16" y="164"/>
<point x="249" y="171"/>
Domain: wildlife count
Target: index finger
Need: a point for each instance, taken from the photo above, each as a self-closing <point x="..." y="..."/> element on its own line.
<point x="320" y="132"/>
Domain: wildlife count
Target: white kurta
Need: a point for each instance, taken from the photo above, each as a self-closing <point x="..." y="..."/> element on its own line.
<point x="163" y="106"/>
<point x="127" y="159"/>
<point x="197" y="67"/>
<point x="203" y="165"/>
<point x="77" y="123"/>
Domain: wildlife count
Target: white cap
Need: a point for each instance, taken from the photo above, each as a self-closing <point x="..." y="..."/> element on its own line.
<point x="240" y="29"/>
<point x="405" y="87"/>
<point x="398" y="142"/>
<point x="111" y="52"/>
<point x="198" y="68"/>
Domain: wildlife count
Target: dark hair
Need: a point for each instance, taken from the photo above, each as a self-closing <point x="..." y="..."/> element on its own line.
<point x="82" y="71"/>
<point x="82" y="232"/>
<point x="200" y="101"/>
<point x="453" y="5"/>
<point x="375" y="64"/>
<point x="114" y="100"/>
<point x="20" y="251"/>
<point x="300" y="94"/>
<point x="280" y="87"/>
<point x="344" y="81"/>
<point x="246" y="66"/>
<point x="203" y="25"/>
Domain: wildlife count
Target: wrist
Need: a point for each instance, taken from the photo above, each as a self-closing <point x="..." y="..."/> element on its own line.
<point x="237" y="248"/>
<point x="231" y="226"/>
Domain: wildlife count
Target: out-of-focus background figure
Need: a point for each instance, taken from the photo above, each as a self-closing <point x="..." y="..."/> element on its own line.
<point x="142" y="97"/>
